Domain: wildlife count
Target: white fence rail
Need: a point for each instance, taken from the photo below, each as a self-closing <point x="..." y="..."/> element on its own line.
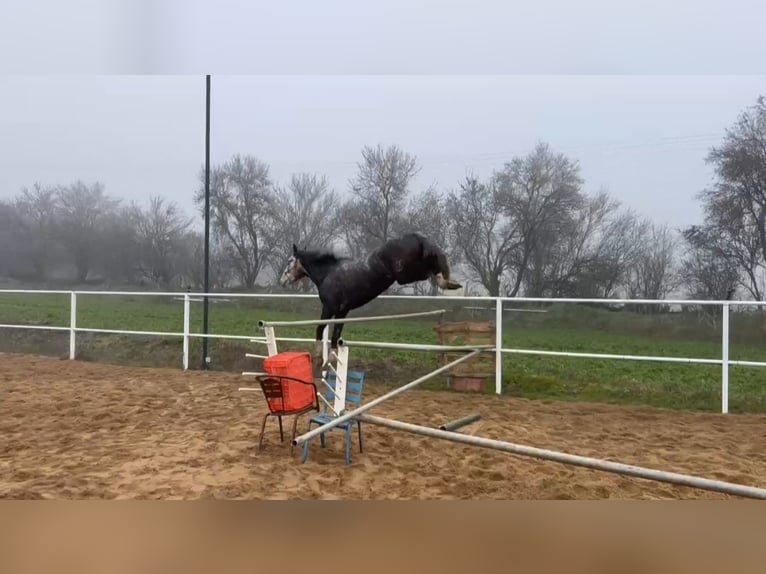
<point x="498" y="302"/>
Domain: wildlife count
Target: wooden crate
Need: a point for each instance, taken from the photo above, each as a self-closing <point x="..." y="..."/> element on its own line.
<point x="471" y="374"/>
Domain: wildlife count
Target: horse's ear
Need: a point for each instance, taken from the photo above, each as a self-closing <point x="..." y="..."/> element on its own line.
<point x="295" y="249"/>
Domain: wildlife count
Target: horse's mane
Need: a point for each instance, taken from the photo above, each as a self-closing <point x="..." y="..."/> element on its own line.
<point x="322" y="256"/>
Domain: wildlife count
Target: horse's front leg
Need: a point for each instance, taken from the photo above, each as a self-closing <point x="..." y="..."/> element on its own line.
<point x="337" y="330"/>
<point x="327" y="313"/>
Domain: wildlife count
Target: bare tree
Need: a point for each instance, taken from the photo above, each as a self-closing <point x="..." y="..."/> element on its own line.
<point x="533" y="227"/>
<point x="160" y="234"/>
<point x="379" y="195"/>
<point x="356" y="237"/>
<point x="305" y="212"/>
<point x="84" y="211"/>
<point x="483" y="238"/>
<point x="654" y="274"/>
<point x="426" y="213"/>
<point x="13" y="252"/>
<point x="240" y="196"/>
<point x="36" y="211"/>
<point x="707" y="272"/>
<point x="221" y="270"/>
<point x="735" y="206"/>
<point x="738" y="240"/>
<point x="567" y="263"/>
<point x="121" y="247"/>
<point x="618" y="244"/>
<point x="538" y="193"/>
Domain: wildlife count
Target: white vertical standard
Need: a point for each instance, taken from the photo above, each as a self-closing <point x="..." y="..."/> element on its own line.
<point x="325" y="346"/>
<point x="271" y="341"/>
<point x="725" y="360"/>
<point x="326" y="368"/>
<point x="498" y="346"/>
<point x="341" y="376"/>
<point x="340" y="370"/>
<point x="187" y="329"/>
<point x="72" y="325"/>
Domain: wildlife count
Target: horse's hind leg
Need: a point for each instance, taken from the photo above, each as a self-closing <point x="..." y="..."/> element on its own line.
<point x="443" y="274"/>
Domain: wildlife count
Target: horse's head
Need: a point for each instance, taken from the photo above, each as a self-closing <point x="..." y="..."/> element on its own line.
<point x="294" y="270"/>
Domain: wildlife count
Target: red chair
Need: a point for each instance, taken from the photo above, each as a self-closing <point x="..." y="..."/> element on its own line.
<point x="287" y="396"/>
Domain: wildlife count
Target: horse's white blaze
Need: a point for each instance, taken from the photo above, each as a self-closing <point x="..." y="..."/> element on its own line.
<point x="287" y="274"/>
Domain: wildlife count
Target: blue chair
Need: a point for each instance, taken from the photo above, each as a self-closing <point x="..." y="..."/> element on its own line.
<point x="354" y="386"/>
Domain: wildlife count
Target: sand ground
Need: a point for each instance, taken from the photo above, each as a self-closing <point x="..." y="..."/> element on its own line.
<point x="77" y="430"/>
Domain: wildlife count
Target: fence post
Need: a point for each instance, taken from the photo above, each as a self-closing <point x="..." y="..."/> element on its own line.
<point x="72" y="325"/>
<point x="725" y="360"/>
<point x="187" y="330"/>
<point x="498" y="346"/>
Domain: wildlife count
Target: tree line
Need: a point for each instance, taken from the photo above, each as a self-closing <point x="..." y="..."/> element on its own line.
<point x="530" y="228"/>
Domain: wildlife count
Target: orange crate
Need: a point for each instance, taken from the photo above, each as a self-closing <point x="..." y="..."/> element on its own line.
<point x="297" y="365"/>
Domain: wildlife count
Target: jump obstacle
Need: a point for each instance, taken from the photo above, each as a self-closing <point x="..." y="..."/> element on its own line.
<point x="447" y="431"/>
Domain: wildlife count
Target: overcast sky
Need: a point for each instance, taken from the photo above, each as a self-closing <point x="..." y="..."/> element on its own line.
<point x="643" y="137"/>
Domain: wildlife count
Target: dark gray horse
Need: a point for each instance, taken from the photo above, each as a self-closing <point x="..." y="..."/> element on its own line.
<point x="345" y="284"/>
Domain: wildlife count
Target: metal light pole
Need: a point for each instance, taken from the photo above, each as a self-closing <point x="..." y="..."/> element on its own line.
<point x="207" y="223"/>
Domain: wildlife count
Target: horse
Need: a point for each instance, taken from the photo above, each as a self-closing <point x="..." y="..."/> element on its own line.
<point x="345" y="284"/>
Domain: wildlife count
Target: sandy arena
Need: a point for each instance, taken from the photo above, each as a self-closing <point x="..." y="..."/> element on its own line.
<point x="75" y="430"/>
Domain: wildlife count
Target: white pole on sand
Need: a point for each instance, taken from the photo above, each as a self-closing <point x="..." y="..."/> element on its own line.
<point x="351" y="414"/>
<point x="593" y="463"/>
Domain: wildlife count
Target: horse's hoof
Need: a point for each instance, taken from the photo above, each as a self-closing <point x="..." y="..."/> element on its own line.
<point x="447" y="283"/>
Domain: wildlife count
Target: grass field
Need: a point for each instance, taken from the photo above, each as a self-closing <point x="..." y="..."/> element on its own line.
<point x="561" y="328"/>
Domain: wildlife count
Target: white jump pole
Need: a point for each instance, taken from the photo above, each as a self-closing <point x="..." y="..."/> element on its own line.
<point x="413" y="346"/>
<point x="264" y="324"/>
<point x="351" y="414"/>
<point x="593" y="463"/>
<point x="263" y="341"/>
